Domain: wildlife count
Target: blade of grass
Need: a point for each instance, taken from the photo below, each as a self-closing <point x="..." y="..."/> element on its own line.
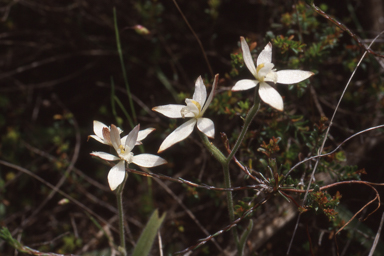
<point x="164" y="80"/>
<point x="120" y="52"/>
<point x="113" y="105"/>
<point x="124" y="110"/>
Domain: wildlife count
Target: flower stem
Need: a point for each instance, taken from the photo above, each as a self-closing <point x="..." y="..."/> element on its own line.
<point x="251" y="114"/>
<point x="119" y="197"/>
<point x="213" y="149"/>
<point x="227" y="180"/>
<point x="225" y="161"/>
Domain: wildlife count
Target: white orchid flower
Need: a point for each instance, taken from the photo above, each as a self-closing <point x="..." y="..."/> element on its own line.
<point x="195" y="108"/>
<point x="264" y="72"/>
<point x="123" y="148"/>
<point x="102" y="134"/>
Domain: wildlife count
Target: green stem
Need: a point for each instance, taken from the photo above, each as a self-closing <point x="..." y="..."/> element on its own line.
<point x="251" y="114"/>
<point x="245" y="236"/>
<point x="119" y="197"/>
<point x="120" y="53"/>
<point x="225" y="161"/>
<point x="213" y="149"/>
<point x="227" y="180"/>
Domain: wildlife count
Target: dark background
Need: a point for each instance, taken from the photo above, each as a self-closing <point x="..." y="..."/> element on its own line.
<point x="57" y="61"/>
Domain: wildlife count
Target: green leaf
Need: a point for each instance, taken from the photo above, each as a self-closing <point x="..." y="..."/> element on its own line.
<point x="148" y="235"/>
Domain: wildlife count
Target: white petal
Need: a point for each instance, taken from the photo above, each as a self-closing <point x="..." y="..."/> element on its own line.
<point x="292" y="76"/>
<point x="143" y="134"/>
<point x="124" y="139"/>
<point x="115" y="137"/>
<point x="98" y="139"/>
<point x="244" y="84"/>
<point x="116" y="175"/>
<point x="270" y="96"/>
<point x="148" y="160"/>
<point x="105" y="156"/>
<point x="247" y="57"/>
<point x="182" y="132"/>
<point x="131" y="139"/>
<point x="98" y="128"/>
<point x="206" y="126"/>
<point x="210" y="97"/>
<point x="200" y="94"/>
<point x="171" y="110"/>
<point x="266" y="55"/>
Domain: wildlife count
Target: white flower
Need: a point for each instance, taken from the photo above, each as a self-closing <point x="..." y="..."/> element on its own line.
<point x="264" y="72"/>
<point x="102" y="134"/>
<point x="123" y="148"/>
<point x="195" y="108"/>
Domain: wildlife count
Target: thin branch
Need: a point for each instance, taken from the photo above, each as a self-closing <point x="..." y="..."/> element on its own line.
<point x="197" y="38"/>
<point x="23" y="170"/>
<point x="336" y="149"/>
<point x="344" y="28"/>
<point x="377" y="236"/>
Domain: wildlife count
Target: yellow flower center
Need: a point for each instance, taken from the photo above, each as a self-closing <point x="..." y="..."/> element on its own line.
<point x="260" y="78"/>
<point x="122" y="149"/>
<point x="197" y="104"/>
<point x="187" y="110"/>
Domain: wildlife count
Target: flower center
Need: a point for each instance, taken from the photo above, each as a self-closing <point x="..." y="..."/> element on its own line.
<point x="124" y="154"/>
<point x="266" y="73"/>
<point x="192" y="107"/>
<point x="197" y="104"/>
<point x="260" y="77"/>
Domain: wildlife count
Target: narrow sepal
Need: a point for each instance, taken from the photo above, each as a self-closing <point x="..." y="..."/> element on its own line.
<point x="247" y="57"/>
<point x="148" y="160"/>
<point x="182" y="132"/>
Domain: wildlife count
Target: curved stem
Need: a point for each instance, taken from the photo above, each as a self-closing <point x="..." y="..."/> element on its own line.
<point x="225" y="161"/>
<point x="119" y="197"/>
<point x="213" y="149"/>
<point x="251" y="114"/>
<point x="227" y="180"/>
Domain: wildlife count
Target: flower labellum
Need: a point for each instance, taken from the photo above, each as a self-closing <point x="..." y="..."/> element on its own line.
<point x="264" y="72"/>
